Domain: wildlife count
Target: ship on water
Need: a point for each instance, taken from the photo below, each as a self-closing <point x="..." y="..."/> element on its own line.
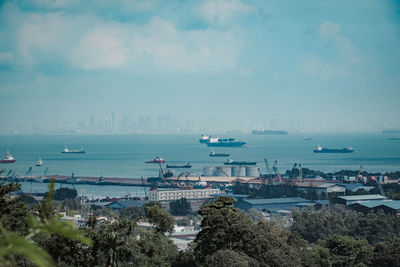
<point x="66" y="150"/>
<point x="206" y="138"/>
<point x="184" y="166"/>
<point x="395" y="138"/>
<point x="320" y="149"/>
<point x="215" y="154"/>
<point x="39" y="162"/>
<point x="224" y="142"/>
<point x="157" y="160"/>
<point x="268" y="132"/>
<point x="233" y="162"/>
<point x="8" y="158"/>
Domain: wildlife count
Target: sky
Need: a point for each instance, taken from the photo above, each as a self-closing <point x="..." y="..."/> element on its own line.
<point x="303" y="65"/>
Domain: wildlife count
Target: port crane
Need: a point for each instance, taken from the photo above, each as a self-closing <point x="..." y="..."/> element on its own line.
<point x="359" y="174"/>
<point x="267" y="166"/>
<point x="144" y="187"/>
<point x="29" y="172"/>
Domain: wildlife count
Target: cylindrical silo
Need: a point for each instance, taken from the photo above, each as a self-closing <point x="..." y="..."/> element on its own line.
<point x="252" y="171"/>
<point x="239" y="171"/>
<point x="209" y="171"/>
<point x="224" y="171"/>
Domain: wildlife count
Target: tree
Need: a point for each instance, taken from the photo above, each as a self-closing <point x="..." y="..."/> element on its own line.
<point x="12" y="243"/>
<point x="387" y="253"/>
<point x="229" y="258"/>
<point x="65" y="193"/>
<point x="12" y="211"/>
<point x="347" y="251"/>
<point x="255" y="215"/>
<point x="225" y="228"/>
<point x="180" y="207"/>
<point x="162" y="220"/>
<point x="132" y="213"/>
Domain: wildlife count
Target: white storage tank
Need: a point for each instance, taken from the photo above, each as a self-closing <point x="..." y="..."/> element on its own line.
<point x="209" y="171"/>
<point x="239" y="171"/>
<point x="224" y="171"/>
<point x="252" y="171"/>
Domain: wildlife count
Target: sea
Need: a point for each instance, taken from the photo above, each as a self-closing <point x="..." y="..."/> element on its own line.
<point x="123" y="156"/>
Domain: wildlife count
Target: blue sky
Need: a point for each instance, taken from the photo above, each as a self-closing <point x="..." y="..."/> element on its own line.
<point x="323" y="64"/>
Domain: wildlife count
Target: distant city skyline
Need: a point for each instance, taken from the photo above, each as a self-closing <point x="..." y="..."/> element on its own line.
<point x="199" y="66"/>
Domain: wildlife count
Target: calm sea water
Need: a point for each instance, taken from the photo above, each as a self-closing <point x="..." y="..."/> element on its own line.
<point x="124" y="155"/>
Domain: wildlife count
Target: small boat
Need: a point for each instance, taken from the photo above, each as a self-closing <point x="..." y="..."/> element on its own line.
<point x="320" y="149"/>
<point x="395" y="138"/>
<point x="8" y="159"/>
<point x="187" y="165"/>
<point x="213" y="154"/>
<point x="157" y="160"/>
<point x="307" y="139"/>
<point x="39" y="162"/>
<point x="233" y="162"/>
<point x="66" y="150"/>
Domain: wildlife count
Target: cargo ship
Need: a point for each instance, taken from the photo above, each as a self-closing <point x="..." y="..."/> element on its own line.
<point x="8" y="159"/>
<point x="224" y="142"/>
<point x="206" y="138"/>
<point x="156" y="160"/>
<point x="268" y="132"/>
<point x="66" y="150"/>
<point x="184" y="166"/>
<point x="233" y="162"/>
<point x="214" y="154"/>
<point x="320" y="149"/>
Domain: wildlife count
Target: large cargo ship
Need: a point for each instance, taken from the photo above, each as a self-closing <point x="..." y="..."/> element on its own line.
<point x="227" y="142"/>
<point x="320" y="149"/>
<point x="66" y="150"/>
<point x="268" y="132"/>
<point x="233" y="162"/>
<point x="215" y="154"/>
<point x="206" y="138"/>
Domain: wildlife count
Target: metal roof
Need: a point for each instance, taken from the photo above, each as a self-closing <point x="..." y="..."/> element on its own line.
<point x="275" y="200"/>
<point x="393" y="204"/>
<point x="355" y="187"/>
<point x="363" y="197"/>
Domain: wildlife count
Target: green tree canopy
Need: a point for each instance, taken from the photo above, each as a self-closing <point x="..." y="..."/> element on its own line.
<point x="180" y="207"/>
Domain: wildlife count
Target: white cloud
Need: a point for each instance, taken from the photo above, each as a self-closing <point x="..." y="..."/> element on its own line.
<point x="87" y="42"/>
<point x="102" y="48"/>
<point x="313" y="66"/>
<point x="344" y="47"/>
<point x="220" y="12"/>
<point x="343" y="55"/>
<point x="6" y="58"/>
<point x="328" y="29"/>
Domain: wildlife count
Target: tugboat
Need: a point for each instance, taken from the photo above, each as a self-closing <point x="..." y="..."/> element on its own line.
<point x="39" y="163"/>
<point x="76" y="151"/>
<point x="187" y="165"/>
<point x="232" y="162"/>
<point x="213" y="154"/>
<point x="8" y="159"/>
<point x="319" y="149"/>
<point x="156" y="160"/>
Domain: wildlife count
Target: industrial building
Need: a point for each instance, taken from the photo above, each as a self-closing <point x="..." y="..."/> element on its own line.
<point x="348" y="200"/>
<point x="123" y="204"/>
<point x="388" y="206"/>
<point x="273" y="205"/>
<point x="169" y="195"/>
<point x="322" y="188"/>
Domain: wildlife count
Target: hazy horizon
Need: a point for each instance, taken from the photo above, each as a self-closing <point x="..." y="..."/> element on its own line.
<point x="80" y="67"/>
